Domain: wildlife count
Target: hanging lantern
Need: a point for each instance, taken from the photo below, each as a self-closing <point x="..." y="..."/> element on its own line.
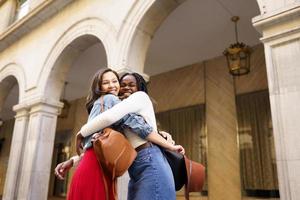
<point x="238" y="55"/>
<point x="65" y="109"/>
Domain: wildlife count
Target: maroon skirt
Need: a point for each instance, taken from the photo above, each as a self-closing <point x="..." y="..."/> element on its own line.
<point x="87" y="181"/>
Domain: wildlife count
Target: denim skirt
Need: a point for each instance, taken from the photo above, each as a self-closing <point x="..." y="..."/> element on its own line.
<point x="151" y="176"/>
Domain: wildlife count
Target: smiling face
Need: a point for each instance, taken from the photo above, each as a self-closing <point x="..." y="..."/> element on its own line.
<point x="128" y="85"/>
<point x="110" y="83"/>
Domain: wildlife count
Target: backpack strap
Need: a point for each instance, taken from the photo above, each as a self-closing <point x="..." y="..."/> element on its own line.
<point x="104" y="181"/>
<point x="113" y="183"/>
<point x="102" y="103"/>
<point x="186" y="194"/>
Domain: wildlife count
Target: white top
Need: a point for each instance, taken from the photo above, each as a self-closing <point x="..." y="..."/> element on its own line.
<point x="133" y="138"/>
<point x="138" y="103"/>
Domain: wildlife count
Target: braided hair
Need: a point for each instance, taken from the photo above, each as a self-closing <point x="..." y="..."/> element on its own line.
<point x="140" y="81"/>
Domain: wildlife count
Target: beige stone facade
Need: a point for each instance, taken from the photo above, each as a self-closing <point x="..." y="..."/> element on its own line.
<point x="40" y="44"/>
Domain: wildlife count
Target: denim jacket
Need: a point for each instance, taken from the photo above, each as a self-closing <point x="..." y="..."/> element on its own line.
<point x="132" y="121"/>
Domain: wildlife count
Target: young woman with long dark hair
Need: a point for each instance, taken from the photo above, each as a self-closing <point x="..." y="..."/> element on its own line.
<point x="144" y="184"/>
<point x="150" y="174"/>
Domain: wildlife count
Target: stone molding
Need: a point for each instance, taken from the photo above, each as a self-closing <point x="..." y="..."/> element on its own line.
<point x="40" y="104"/>
<point x="102" y="30"/>
<point x="271" y="7"/>
<point x="21" y="111"/>
<point x="13" y="69"/>
<point x="279" y="25"/>
<point x="283" y="14"/>
<point x="137" y="31"/>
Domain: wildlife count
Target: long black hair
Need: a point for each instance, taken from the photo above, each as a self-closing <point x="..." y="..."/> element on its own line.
<point x="95" y="88"/>
<point x="140" y="81"/>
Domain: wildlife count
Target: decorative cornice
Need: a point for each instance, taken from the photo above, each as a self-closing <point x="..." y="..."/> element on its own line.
<point x="39" y="104"/>
<point x="265" y="21"/>
<point x="34" y="18"/>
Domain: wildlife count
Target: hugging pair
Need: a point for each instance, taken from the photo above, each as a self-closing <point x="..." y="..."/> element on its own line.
<point x="150" y="174"/>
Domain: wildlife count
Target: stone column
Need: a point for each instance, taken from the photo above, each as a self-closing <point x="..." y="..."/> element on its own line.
<point x="35" y="172"/>
<point x="281" y="38"/>
<point x="16" y="152"/>
<point x="222" y="154"/>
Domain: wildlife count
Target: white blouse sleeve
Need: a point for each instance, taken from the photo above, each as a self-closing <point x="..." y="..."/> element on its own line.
<point x="133" y="104"/>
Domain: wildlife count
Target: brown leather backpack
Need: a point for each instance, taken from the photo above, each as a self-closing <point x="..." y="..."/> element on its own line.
<point x="114" y="152"/>
<point x="115" y="155"/>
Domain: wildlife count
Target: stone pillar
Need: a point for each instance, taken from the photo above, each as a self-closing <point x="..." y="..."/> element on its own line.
<point x="16" y="152"/>
<point x="281" y="38"/>
<point x="35" y="172"/>
<point x="222" y="154"/>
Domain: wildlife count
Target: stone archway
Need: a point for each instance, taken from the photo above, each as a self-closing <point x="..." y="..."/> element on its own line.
<point x="44" y="108"/>
<point x="75" y="61"/>
<point x="9" y="96"/>
<point x="139" y="28"/>
<point x="91" y="30"/>
<point x="147" y="21"/>
<point x="12" y="84"/>
<point x="17" y="72"/>
<point x="137" y="31"/>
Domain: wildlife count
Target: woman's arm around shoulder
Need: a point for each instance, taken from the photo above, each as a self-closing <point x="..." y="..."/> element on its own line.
<point x="133" y="104"/>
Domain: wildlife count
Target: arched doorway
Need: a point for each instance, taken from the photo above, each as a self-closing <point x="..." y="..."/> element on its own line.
<point x="9" y="90"/>
<point x="73" y="71"/>
<point x="182" y="50"/>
